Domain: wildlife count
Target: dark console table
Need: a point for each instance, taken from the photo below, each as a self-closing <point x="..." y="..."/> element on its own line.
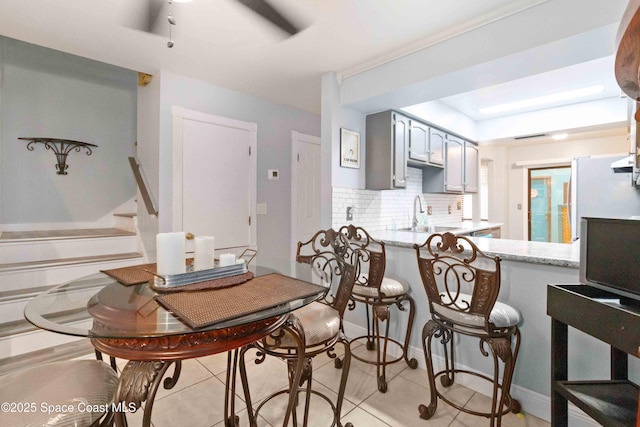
<point x="611" y="402"/>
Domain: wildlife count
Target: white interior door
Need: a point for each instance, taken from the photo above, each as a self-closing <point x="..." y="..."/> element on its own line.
<point x="215" y="195"/>
<point x="305" y="187"/>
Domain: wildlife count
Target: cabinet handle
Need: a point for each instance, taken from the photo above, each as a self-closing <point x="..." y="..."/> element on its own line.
<point x="189" y="236"/>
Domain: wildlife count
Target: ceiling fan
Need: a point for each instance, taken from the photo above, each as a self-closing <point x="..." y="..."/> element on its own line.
<point x="151" y="16"/>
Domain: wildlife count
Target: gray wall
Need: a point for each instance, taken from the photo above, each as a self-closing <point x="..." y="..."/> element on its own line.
<point x="335" y="116"/>
<point x="46" y="93"/>
<point x="275" y="123"/>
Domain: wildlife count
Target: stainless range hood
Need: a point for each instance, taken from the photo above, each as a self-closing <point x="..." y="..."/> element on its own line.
<point x="623" y="165"/>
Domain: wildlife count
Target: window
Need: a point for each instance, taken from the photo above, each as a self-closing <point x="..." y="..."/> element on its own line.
<point x="467" y="199"/>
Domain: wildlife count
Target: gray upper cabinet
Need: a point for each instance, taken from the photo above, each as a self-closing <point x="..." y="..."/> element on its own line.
<point x="471" y="167"/>
<point x="418" y="142"/>
<point x="426" y="145"/>
<point x="436" y="146"/>
<point x="454" y="165"/>
<point x="460" y="173"/>
<point x="394" y="141"/>
<point x="387" y="150"/>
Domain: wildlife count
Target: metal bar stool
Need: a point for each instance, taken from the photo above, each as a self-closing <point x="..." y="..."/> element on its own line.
<point x="462" y="285"/>
<point x="70" y="393"/>
<point x="321" y="322"/>
<point x="379" y="293"/>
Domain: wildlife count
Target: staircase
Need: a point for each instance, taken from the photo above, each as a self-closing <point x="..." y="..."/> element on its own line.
<point x="33" y="261"/>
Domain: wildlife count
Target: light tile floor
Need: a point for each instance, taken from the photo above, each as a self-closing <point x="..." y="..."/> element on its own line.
<point x="197" y="400"/>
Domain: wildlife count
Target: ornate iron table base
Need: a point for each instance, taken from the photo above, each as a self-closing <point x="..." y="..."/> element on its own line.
<point x="150" y="358"/>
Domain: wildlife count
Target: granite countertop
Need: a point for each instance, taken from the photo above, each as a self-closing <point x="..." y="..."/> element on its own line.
<point x="559" y="254"/>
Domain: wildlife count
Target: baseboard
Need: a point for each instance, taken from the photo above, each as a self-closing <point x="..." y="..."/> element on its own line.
<point x="532" y="402"/>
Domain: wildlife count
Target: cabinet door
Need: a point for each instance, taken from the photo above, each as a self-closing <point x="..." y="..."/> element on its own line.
<point x="436" y="146"/>
<point x="454" y="165"/>
<point x="400" y="149"/>
<point x="418" y="141"/>
<point x="471" y="168"/>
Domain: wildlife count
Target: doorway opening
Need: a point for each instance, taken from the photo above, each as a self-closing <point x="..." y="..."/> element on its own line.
<point x="548" y="217"/>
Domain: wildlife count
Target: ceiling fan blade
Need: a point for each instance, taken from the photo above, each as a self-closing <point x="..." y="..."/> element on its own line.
<point x="145" y="15"/>
<point x="154" y="9"/>
<point x="268" y="12"/>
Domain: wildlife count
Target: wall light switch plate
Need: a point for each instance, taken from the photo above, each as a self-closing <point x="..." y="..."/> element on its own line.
<point x="261" y="208"/>
<point x="273" y="174"/>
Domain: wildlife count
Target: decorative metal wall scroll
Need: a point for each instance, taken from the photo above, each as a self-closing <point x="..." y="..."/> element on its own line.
<point x="61" y="148"/>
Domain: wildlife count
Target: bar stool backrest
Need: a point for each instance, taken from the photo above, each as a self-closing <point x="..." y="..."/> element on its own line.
<point x="462" y="282"/>
<point x="334" y="262"/>
<point x="371" y="255"/>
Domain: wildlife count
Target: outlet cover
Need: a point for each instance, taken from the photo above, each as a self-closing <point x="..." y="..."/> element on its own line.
<point x="261" y="208"/>
<point x="273" y="174"/>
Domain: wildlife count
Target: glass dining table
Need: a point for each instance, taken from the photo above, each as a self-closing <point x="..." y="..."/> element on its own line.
<point x="130" y="322"/>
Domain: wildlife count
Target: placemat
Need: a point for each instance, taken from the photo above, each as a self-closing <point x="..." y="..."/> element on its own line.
<point x="220" y="283"/>
<point x="136" y="274"/>
<point x="203" y="308"/>
<point x="133" y="275"/>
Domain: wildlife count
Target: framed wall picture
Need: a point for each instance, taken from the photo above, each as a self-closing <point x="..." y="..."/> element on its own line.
<point x="349" y="149"/>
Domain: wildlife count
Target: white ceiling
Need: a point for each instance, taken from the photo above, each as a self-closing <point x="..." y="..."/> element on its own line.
<point x="222" y="42"/>
<point x="586" y="74"/>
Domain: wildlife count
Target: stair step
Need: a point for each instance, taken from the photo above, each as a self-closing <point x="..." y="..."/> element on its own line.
<point x="33" y="340"/>
<point x="68" y="351"/>
<point x="62" y="272"/>
<point x="16" y="327"/>
<point x="12" y="303"/>
<point x="33" y="261"/>
<point x="66" y="261"/>
<point x="23" y="325"/>
<point x="14" y="251"/>
<point x="12" y="236"/>
<point x="19" y="294"/>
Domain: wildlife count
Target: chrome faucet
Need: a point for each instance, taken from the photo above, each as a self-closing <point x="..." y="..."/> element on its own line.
<point x="414" y="225"/>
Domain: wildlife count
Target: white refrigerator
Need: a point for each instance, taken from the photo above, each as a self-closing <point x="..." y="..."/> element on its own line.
<point x="598" y="191"/>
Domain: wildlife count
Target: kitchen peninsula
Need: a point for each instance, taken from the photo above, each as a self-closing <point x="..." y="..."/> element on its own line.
<point x="527" y="268"/>
<point x="558" y="254"/>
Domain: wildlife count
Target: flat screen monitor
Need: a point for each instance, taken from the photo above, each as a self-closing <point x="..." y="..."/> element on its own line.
<point x="610" y="255"/>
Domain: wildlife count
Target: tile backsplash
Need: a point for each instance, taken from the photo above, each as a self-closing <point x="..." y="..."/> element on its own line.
<point x="381" y="209"/>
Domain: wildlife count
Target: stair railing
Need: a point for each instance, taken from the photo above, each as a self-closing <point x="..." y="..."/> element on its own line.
<point x="146" y="197"/>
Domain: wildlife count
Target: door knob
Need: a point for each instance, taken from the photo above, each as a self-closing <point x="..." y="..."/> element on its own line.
<point x="189" y="236"/>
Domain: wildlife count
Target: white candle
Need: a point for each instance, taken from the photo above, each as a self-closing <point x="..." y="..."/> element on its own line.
<point x="170" y="253"/>
<point x="227" y="259"/>
<point x="204" y="249"/>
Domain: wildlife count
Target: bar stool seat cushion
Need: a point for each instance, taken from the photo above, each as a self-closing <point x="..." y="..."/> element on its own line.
<point x="389" y="288"/>
<point x="320" y="322"/>
<point x="502" y="315"/>
<point x="69" y="393"/>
